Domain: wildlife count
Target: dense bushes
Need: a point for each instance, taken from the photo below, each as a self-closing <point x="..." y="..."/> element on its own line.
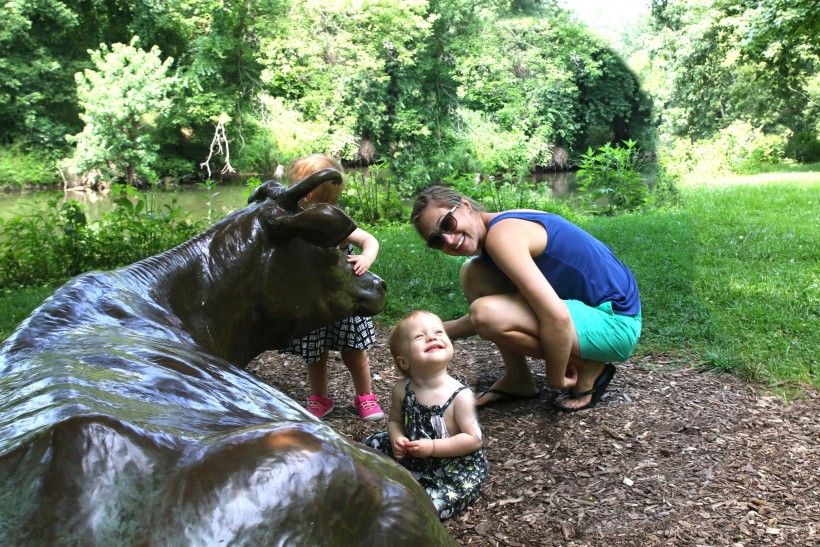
<point x="54" y="242"/>
<point x="21" y="167"/>
<point x="739" y="148"/>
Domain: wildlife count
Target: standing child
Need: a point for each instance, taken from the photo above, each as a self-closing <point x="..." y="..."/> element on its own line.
<point x="351" y="336"/>
<point x="432" y="429"/>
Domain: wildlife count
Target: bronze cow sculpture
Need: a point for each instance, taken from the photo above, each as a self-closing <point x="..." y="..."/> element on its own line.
<point x="126" y="416"/>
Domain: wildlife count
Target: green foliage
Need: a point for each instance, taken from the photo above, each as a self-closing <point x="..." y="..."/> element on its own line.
<point x="721" y="61"/>
<point x="44" y="43"/>
<point x="121" y="99"/>
<point x="610" y="177"/>
<point x="370" y="196"/>
<point x="545" y="82"/>
<point x="250" y="185"/>
<point x="340" y="85"/>
<point x="804" y="146"/>
<point x="503" y="193"/>
<point x="665" y="190"/>
<point x="738" y="148"/>
<point x="21" y="167"/>
<point x="54" y="242"/>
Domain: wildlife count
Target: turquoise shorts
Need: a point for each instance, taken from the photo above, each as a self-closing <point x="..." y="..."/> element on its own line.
<point x="603" y="335"/>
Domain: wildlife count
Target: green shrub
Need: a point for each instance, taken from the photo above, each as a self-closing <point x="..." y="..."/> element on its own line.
<point x="175" y="168"/>
<point x="804" y="146"/>
<point x="665" y="191"/>
<point x="739" y="148"/>
<point x="20" y="167"/>
<point x="610" y="178"/>
<point x="496" y="150"/>
<point x="503" y="193"/>
<point x="121" y="99"/>
<point x="56" y="241"/>
<point x="371" y="196"/>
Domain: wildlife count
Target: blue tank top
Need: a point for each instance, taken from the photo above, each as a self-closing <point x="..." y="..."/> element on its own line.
<point x="578" y="266"/>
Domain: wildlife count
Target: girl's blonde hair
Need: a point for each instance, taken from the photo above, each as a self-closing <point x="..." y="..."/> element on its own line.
<point x="306" y="166"/>
<point x="396" y="340"/>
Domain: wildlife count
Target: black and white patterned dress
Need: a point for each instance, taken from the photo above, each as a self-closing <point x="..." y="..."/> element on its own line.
<point x="354" y="332"/>
<point x="452" y="483"/>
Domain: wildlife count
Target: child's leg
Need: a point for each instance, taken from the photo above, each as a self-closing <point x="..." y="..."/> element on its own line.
<point x="366" y="403"/>
<point x="358" y="363"/>
<point x="317" y="376"/>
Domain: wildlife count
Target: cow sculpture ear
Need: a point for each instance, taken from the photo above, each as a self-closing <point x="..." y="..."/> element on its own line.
<point x="323" y="225"/>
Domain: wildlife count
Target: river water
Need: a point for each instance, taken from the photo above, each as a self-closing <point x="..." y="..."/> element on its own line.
<point x="197" y="201"/>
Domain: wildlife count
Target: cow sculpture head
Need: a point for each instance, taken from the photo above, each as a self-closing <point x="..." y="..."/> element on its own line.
<point x="125" y="420"/>
<point x="273" y="272"/>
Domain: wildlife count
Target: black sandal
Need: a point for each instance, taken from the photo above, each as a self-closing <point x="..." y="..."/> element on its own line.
<point x="597" y="391"/>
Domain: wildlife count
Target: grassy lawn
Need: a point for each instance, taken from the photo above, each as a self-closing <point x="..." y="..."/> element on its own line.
<point x="16" y="304"/>
<point x="729" y="280"/>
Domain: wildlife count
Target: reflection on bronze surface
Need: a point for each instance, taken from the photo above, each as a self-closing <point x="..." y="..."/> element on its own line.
<point x="126" y="416"/>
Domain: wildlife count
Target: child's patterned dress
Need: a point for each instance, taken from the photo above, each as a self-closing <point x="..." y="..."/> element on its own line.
<point x="354" y="332"/>
<point x="452" y="483"/>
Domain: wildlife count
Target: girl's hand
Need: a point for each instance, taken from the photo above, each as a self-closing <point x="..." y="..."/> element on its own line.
<point x="360" y="263"/>
<point x="422" y="448"/>
<point x="400" y="447"/>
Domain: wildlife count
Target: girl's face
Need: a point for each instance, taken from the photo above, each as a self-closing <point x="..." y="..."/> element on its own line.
<point x="454" y="230"/>
<point x="427" y="348"/>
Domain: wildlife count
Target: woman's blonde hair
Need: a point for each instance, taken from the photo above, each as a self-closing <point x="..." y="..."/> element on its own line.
<point x="305" y="166"/>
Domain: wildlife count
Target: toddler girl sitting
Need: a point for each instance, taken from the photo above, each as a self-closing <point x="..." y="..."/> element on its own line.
<point x="432" y="427"/>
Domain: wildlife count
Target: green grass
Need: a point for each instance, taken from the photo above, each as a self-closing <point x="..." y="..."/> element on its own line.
<point x="729" y="280"/>
<point x="417" y="277"/>
<point x="16" y="304"/>
<point x="757" y="269"/>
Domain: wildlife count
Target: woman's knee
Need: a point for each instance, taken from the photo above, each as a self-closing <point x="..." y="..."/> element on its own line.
<point x="478" y="278"/>
<point x="487" y="317"/>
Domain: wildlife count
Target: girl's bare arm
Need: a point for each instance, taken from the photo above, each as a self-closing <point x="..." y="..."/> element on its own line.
<point x="369" y="246"/>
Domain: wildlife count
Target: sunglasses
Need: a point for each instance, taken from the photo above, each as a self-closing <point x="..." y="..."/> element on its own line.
<point x="447" y="225"/>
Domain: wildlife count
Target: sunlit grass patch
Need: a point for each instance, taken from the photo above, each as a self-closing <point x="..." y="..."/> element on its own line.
<point x="758" y="263"/>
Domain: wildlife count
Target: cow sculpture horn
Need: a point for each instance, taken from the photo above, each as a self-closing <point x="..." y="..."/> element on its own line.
<point x="289" y="199"/>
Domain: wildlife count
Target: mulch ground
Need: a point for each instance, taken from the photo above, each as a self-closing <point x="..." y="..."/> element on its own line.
<point x="671" y="456"/>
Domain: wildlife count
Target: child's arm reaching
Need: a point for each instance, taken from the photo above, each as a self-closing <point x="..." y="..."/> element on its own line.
<point x="370" y="249"/>
<point x="394" y="422"/>
<point x="466" y="441"/>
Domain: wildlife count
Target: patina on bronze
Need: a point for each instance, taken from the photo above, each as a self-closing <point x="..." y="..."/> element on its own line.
<point x="126" y="416"/>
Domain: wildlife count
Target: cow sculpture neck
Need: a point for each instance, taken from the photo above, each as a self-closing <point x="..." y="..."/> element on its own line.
<point x="125" y="419"/>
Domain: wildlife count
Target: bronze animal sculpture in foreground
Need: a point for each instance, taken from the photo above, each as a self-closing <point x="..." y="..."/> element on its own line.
<point x="126" y="416"/>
